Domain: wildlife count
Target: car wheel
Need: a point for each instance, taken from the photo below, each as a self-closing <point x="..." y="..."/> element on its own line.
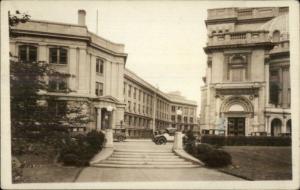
<point x="120" y="138"/>
<point x="162" y="141"/>
<point x="156" y="141"/>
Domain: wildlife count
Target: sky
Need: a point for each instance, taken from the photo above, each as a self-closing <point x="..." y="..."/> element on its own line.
<point x="164" y="39"/>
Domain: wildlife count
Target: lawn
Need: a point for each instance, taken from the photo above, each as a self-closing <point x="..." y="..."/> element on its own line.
<point x="260" y="162"/>
<point x="41" y="168"/>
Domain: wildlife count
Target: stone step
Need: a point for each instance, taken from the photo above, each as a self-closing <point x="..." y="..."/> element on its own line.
<point x="145" y="166"/>
<point x="175" y="159"/>
<point x="145" y="163"/>
<point x="143" y="151"/>
<point x="144" y="156"/>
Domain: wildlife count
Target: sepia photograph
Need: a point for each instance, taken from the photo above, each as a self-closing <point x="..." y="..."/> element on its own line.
<point x="149" y="94"/>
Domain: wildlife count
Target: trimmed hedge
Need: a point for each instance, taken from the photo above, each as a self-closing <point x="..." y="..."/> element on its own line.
<point x="79" y="150"/>
<point x="246" y="140"/>
<point x="208" y="154"/>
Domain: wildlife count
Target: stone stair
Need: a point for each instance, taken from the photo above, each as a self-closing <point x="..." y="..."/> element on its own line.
<point x="145" y="159"/>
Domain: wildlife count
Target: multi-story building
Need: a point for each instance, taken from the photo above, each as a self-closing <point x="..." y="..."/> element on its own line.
<point x="96" y="66"/>
<point x="247" y="82"/>
<point x="148" y="108"/>
<point x="98" y="80"/>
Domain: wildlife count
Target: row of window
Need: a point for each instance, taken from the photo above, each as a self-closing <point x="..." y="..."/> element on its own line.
<point x="185" y="110"/>
<point x="138" y="94"/>
<point x="138" y="108"/>
<point x="179" y="119"/>
<point x="57" y="55"/>
<point x="136" y="121"/>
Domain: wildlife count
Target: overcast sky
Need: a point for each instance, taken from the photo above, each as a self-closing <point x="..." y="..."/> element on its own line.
<point x="164" y="39"/>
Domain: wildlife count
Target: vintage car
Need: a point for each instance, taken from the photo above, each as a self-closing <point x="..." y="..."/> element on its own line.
<point x="164" y="136"/>
<point x="119" y="134"/>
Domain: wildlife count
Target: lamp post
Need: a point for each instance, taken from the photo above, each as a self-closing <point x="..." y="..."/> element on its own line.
<point x="108" y="131"/>
<point x="178" y="113"/>
<point x="177" y="145"/>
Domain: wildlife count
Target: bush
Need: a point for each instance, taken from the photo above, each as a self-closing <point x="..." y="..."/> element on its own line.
<point x="246" y="140"/>
<point x="79" y="150"/>
<point x="210" y="156"/>
<point x="189" y="141"/>
<point x="216" y="158"/>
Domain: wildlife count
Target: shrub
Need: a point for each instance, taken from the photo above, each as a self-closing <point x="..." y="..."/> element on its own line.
<point x="246" y="140"/>
<point x="79" y="150"/>
<point x="189" y="141"/>
<point x="216" y="158"/>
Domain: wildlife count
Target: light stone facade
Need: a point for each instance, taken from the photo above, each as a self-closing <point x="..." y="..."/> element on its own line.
<point x="148" y="108"/>
<point x="247" y="82"/>
<point x="99" y="81"/>
<point x="82" y="50"/>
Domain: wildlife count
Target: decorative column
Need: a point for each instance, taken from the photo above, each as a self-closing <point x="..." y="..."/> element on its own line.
<point x="177" y="141"/>
<point x="98" y="127"/>
<point x="283" y="130"/>
<point x="255" y="122"/>
<point x="267" y="87"/>
<point x="267" y="124"/>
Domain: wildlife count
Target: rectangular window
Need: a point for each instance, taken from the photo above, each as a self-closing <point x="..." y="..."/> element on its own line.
<point x="57" y="108"/>
<point x="57" y="84"/>
<point x="129" y="91"/>
<point x="134" y="93"/>
<point x="99" y="89"/>
<point x="58" y="55"/>
<point x="99" y="66"/>
<point x="27" y="53"/>
<point x="191" y="120"/>
<point x="134" y="106"/>
<point x="140" y="95"/>
<point x="129" y="105"/>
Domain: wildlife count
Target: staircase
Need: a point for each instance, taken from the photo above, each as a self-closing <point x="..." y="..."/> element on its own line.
<point x="124" y="158"/>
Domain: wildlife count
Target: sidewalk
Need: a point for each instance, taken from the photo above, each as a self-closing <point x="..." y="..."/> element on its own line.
<point x="102" y="174"/>
<point x="94" y="174"/>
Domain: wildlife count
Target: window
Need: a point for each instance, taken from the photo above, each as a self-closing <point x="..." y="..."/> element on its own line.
<point x="191" y="120"/>
<point x="27" y="53"/>
<point x="173" y="117"/>
<point x="124" y="88"/>
<point x="129" y="105"/>
<point x="57" y="84"/>
<point x="134" y="106"/>
<point x="173" y="108"/>
<point x="134" y="93"/>
<point x="129" y="91"/>
<point x="99" y="66"/>
<point x="274" y="94"/>
<point x="276" y="36"/>
<point x="140" y="95"/>
<point x="139" y="108"/>
<point x="99" y="89"/>
<point x="57" y="108"/>
<point x="58" y="55"/>
<point x="237" y="68"/>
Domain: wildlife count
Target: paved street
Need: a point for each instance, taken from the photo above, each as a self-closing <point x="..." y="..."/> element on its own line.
<point x="101" y="174"/>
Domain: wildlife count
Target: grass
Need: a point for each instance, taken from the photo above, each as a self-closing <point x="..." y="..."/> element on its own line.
<point x="260" y="162"/>
<point x="41" y="168"/>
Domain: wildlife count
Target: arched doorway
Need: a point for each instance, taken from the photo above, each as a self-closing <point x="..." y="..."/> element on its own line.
<point x="276" y="127"/>
<point x="289" y="126"/>
<point x="237" y="110"/>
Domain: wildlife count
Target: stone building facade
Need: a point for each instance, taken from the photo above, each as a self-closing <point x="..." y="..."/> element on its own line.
<point x="148" y="108"/>
<point x="247" y="82"/>
<point x="96" y="66"/>
<point x="113" y="96"/>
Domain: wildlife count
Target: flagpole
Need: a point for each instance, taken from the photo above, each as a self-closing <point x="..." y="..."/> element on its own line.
<point x="97" y="23"/>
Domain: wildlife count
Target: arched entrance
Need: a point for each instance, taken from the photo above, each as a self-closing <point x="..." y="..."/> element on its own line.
<point x="236" y="109"/>
<point x="289" y="126"/>
<point x="276" y="127"/>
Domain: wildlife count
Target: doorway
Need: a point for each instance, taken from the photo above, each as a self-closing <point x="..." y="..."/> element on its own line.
<point x="236" y="126"/>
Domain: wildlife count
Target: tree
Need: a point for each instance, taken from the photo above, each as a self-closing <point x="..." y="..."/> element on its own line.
<point x="31" y="106"/>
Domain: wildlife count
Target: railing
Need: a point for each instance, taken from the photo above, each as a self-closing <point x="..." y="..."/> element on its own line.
<point x="246" y="37"/>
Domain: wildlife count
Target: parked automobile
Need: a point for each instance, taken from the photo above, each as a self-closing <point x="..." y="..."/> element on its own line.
<point x="164" y="136"/>
<point x="119" y="134"/>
